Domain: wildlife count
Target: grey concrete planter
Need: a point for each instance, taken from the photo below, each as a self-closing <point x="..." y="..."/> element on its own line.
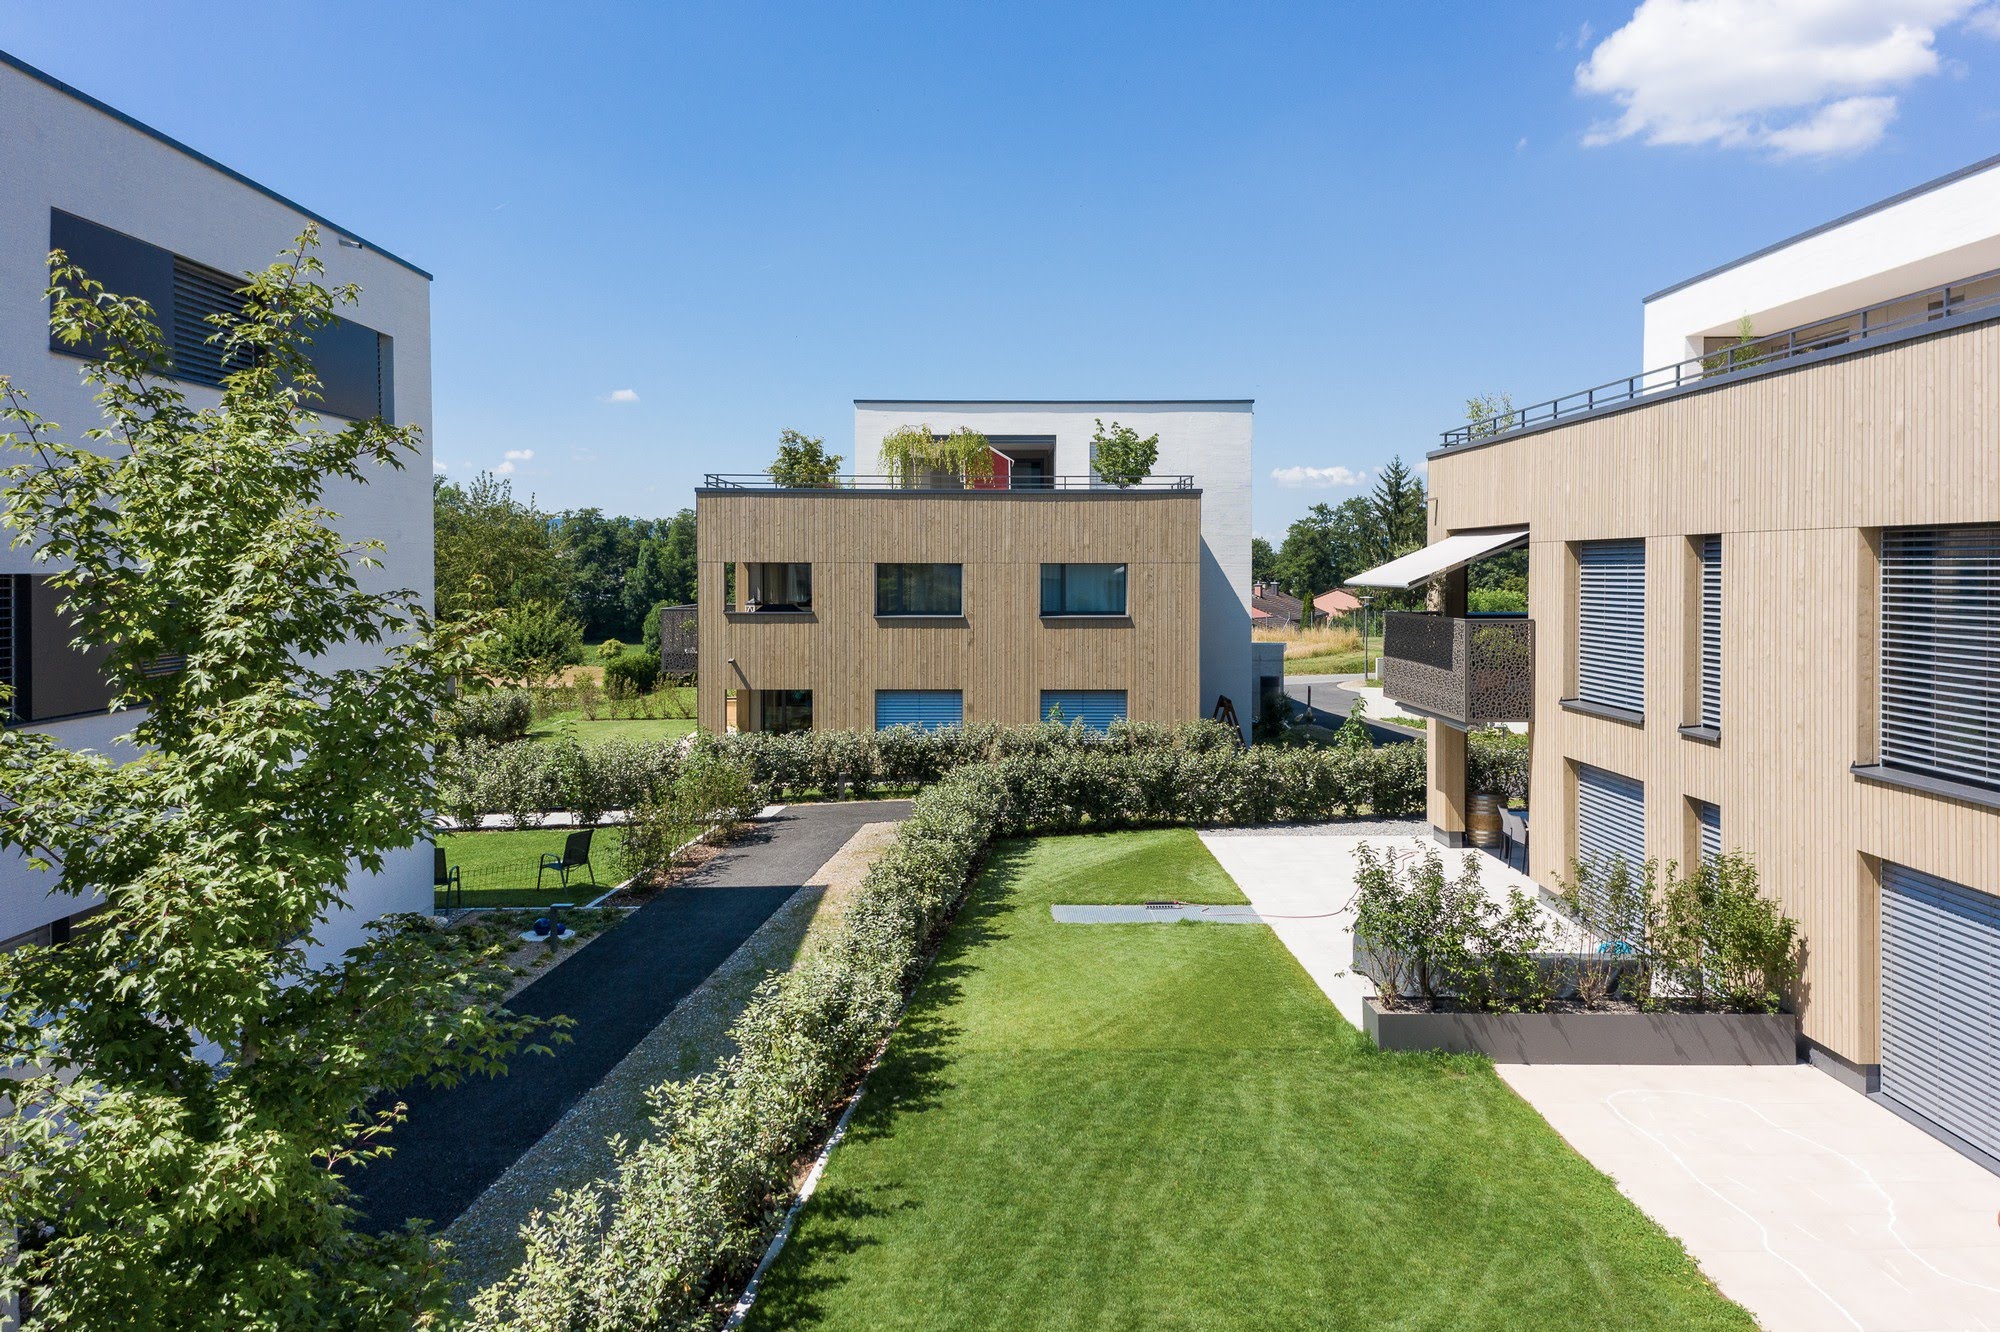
<point x="1592" y="1038"/>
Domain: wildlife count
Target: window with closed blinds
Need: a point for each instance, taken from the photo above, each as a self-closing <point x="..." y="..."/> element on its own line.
<point x="1611" y="625"/>
<point x="1095" y="708"/>
<point x="1708" y="818"/>
<point x="9" y="654"/>
<point x="925" y="709"/>
<point x="1711" y="632"/>
<point x="1940" y="699"/>
<point x="1610" y="827"/>
<point x="198" y="293"/>
<point x="1941" y="1002"/>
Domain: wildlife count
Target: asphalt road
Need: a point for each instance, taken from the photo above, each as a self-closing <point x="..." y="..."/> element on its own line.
<point x="1330" y="703"/>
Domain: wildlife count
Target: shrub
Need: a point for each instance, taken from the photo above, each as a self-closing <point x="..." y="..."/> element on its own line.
<point x="1420" y="934"/>
<point x="610" y="650"/>
<point x="709" y="790"/>
<point x="1497" y="600"/>
<point x="537" y="639"/>
<point x="1497" y="763"/>
<point x="1119" y="456"/>
<point x="803" y="463"/>
<point x="498" y="715"/>
<point x="633" y="675"/>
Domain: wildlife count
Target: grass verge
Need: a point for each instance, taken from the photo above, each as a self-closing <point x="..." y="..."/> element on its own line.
<point x="1168" y="1126"/>
<point x="498" y="868"/>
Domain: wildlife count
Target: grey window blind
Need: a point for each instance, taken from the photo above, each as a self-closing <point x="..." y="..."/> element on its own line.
<point x="1611" y="625"/>
<point x="198" y="293"/>
<point x="9" y="676"/>
<point x="1709" y="817"/>
<point x="1711" y="632"/>
<point x="1941" y="1002"/>
<point x="1940" y="701"/>
<point x="1610" y="817"/>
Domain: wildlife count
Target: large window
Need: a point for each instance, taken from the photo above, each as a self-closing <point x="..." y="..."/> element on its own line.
<point x="925" y="709"/>
<point x="920" y="589"/>
<point x="1611" y="625"/>
<point x="1711" y="632"/>
<point x="1941" y="652"/>
<point x="354" y="363"/>
<point x="778" y="587"/>
<point x="1610" y="830"/>
<point x="1095" y="708"/>
<point x="1083" y="589"/>
<point x="784" y="710"/>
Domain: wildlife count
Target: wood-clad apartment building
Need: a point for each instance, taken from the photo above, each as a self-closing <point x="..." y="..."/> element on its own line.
<point x="1764" y="596"/>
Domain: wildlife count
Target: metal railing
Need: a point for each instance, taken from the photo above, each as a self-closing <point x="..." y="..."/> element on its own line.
<point x="1937" y="305"/>
<point x="942" y="481"/>
<point x="1464" y="671"/>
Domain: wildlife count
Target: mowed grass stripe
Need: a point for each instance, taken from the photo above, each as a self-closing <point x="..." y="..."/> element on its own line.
<point x="1167" y="1126"/>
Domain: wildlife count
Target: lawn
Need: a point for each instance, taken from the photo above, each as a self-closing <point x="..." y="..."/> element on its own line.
<point x="1332" y="663"/>
<point x="560" y="724"/>
<point x="499" y="867"/>
<point x="1168" y="1126"/>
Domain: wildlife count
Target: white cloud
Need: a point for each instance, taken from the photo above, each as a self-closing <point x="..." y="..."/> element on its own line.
<point x="1796" y="78"/>
<point x="1985" y="21"/>
<point x="621" y="395"/>
<point x="1317" y="478"/>
<point x="437" y="466"/>
<point x="512" y="457"/>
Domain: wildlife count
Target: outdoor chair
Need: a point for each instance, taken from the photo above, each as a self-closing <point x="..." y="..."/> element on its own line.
<point x="450" y="879"/>
<point x="1513" y="833"/>
<point x="575" y="855"/>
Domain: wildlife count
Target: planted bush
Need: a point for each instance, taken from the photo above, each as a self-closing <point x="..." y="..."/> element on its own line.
<point x="631" y="675"/>
<point x="498" y="715"/>
<point x="1421" y="934"/>
<point x="710" y="790"/>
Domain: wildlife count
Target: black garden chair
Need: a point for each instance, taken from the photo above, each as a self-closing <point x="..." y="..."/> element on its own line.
<point x="449" y="879"/>
<point x="575" y="855"/>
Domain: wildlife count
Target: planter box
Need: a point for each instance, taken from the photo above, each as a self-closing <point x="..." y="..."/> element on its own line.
<point x="1592" y="1038"/>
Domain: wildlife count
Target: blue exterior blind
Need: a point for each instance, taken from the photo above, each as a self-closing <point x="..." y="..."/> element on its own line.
<point x="1941" y="1003"/>
<point x="1611" y="625"/>
<point x="1709" y="818"/>
<point x="1711" y="632"/>
<point x="925" y="709"/>
<point x="1095" y="708"/>
<point x="1941" y="652"/>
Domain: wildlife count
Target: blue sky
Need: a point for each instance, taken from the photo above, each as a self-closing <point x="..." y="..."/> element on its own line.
<point x="743" y="217"/>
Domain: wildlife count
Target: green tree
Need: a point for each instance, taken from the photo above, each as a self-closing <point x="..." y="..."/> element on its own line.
<point x="535" y="640"/>
<point x="677" y="559"/>
<point x="601" y="552"/>
<point x="803" y="462"/>
<point x="1120" y="456"/>
<point x="191" y="1086"/>
<point x="1331" y="544"/>
<point x="494" y="550"/>
<point x="1263" y="561"/>
<point x="1402" y="517"/>
<point x="1490" y="414"/>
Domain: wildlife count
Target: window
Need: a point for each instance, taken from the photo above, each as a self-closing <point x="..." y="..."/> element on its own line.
<point x="1610" y="827"/>
<point x="1083" y="589"/>
<point x="925" y="709"/>
<point x="778" y="587"/>
<point x="1611" y="625"/>
<point x="51" y="677"/>
<point x="1940" y="699"/>
<point x="1711" y="632"/>
<point x="1708" y="825"/>
<point x="1095" y="708"/>
<point x="782" y="710"/>
<point x="919" y="589"/>
<point x="355" y="364"/>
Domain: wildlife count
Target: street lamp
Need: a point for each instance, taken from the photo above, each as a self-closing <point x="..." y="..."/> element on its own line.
<point x="1364" y="639"/>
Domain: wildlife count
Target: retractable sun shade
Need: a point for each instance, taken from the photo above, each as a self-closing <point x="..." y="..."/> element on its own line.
<point x="1439" y="557"/>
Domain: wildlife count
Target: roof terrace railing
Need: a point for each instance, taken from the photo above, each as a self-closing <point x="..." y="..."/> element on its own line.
<point x="940" y="481"/>
<point x="1953" y="301"/>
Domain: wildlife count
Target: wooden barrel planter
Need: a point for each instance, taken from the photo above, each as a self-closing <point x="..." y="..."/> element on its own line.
<point x="1482" y="825"/>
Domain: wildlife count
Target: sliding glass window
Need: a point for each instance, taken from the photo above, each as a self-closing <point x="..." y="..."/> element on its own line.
<point x="920" y="589"/>
<point x="1083" y="589"/>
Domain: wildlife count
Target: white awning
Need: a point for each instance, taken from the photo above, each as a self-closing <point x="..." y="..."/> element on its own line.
<point x="1439" y="557"/>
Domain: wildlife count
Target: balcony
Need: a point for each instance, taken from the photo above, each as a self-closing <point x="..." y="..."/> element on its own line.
<point x="1463" y="672"/>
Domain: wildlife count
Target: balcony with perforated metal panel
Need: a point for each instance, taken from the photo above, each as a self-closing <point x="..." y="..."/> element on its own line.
<point x="1462" y="671"/>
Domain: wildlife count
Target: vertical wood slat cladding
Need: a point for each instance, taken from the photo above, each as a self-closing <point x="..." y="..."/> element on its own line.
<point x="1798" y="472"/>
<point x="1001" y="652"/>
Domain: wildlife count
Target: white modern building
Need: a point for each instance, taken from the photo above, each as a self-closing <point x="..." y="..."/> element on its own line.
<point x="154" y="218"/>
<point x="1207" y="440"/>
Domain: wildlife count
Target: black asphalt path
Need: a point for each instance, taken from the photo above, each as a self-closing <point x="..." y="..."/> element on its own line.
<point x="1329" y="708"/>
<point x="458" y="1140"/>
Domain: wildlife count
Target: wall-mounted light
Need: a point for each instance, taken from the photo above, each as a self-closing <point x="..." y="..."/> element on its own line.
<point x="348" y="242"/>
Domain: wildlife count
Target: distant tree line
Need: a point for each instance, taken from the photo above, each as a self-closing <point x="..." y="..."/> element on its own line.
<point x="558" y="579"/>
<point x="1333" y="542"/>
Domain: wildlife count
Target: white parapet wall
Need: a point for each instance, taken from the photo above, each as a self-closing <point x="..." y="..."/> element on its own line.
<point x="1939" y="232"/>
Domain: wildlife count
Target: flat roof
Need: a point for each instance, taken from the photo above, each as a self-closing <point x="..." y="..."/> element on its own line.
<point x="78" y="94"/>
<point x="1951" y="178"/>
<point x="1054" y="402"/>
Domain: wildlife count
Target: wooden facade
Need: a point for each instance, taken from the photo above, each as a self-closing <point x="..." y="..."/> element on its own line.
<point x="1798" y="470"/>
<point x="1001" y="652"/>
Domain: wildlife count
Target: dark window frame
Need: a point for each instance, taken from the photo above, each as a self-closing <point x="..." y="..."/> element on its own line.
<point x="897" y="606"/>
<point x="1063" y="609"/>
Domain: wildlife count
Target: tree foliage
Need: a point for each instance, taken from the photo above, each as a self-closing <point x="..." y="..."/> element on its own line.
<point x="803" y="462"/>
<point x="1263" y="561"/>
<point x="1118" y="455"/>
<point x="912" y="452"/>
<point x="494" y="550"/>
<point x="192" y="1084"/>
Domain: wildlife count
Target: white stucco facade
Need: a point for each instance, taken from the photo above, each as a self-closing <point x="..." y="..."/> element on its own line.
<point x="59" y="150"/>
<point x="1940" y="232"/>
<point x="1207" y="440"/>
